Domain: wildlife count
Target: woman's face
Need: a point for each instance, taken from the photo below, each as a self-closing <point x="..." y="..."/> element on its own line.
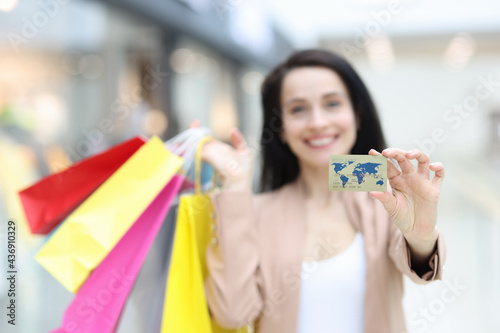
<point x="318" y="118"/>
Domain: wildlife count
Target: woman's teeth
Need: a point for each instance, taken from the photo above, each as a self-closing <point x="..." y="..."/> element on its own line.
<point x="320" y="142"/>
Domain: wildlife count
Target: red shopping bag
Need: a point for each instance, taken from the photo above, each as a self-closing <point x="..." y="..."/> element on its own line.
<point x="53" y="198"/>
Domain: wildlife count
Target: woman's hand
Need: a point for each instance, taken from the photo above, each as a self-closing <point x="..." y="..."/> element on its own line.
<point x="413" y="198"/>
<point x="232" y="162"/>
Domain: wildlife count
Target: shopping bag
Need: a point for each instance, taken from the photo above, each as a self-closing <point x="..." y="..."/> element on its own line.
<point x="53" y="198"/>
<point x="93" y="229"/>
<point x="185" y="308"/>
<point x="144" y="307"/>
<point x="99" y="303"/>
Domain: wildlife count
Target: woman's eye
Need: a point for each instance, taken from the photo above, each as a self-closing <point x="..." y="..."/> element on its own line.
<point x="297" y="109"/>
<point x="333" y="104"/>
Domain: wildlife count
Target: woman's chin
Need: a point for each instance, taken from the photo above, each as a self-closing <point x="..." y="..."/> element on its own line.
<point x="316" y="164"/>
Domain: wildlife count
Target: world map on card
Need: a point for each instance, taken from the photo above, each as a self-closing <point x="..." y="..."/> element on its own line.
<point x="358" y="173"/>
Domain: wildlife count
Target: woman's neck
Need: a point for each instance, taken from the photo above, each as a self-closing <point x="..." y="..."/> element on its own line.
<point x="315" y="184"/>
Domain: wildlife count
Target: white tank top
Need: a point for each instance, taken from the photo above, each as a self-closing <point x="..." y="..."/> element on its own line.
<point x="332" y="292"/>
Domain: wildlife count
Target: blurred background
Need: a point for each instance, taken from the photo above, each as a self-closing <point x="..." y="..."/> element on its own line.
<point x="78" y="76"/>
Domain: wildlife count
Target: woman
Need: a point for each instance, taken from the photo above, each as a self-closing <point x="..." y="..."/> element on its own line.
<point x="300" y="258"/>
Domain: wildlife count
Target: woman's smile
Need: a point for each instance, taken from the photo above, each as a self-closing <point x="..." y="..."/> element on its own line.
<point x="321" y="141"/>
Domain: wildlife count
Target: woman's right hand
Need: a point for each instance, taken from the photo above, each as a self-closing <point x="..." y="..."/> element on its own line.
<point x="232" y="162"/>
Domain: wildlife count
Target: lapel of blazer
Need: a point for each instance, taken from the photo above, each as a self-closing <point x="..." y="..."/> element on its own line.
<point x="292" y="229"/>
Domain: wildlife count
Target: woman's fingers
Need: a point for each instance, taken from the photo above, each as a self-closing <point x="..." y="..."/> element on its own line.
<point x="195" y="123"/>
<point x="237" y="139"/>
<point x="404" y="160"/>
<point x="438" y="169"/>
<point x="422" y="159"/>
<point x="386" y="198"/>
<point x="399" y="155"/>
<point x="392" y="170"/>
<point x="206" y="151"/>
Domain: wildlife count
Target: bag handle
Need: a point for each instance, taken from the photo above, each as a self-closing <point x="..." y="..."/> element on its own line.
<point x="197" y="161"/>
<point x="184" y="144"/>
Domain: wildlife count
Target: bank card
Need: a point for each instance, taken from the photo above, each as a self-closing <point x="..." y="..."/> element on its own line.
<point x="357" y="173"/>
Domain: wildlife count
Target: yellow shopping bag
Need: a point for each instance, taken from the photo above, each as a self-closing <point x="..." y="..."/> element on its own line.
<point x="85" y="238"/>
<point x="185" y="308"/>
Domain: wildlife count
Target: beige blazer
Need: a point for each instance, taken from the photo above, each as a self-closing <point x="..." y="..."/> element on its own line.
<point x="255" y="260"/>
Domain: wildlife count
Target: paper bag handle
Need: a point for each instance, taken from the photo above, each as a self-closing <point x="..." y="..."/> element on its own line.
<point x="197" y="161"/>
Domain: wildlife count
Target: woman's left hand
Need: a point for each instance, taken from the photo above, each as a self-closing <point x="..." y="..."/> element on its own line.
<point x="412" y="200"/>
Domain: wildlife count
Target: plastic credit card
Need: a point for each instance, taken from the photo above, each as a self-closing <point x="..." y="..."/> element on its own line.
<point x="357" y="173"/>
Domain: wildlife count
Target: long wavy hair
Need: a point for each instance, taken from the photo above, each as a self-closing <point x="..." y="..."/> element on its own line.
<point x="279" y="164"/>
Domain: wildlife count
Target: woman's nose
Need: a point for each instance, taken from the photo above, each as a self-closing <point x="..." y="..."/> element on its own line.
<point x="318" y="118"/>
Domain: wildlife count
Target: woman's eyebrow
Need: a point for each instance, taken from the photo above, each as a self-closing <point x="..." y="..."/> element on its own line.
<point x="333" y="93"/>
<point x="301" y="99"/>
<point x="296" y="99"/>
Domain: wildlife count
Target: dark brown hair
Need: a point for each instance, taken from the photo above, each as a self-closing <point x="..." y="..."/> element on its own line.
<point x="280" y="165"/>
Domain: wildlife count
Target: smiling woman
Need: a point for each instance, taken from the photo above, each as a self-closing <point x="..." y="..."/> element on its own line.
<point x="297" y="257"/>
